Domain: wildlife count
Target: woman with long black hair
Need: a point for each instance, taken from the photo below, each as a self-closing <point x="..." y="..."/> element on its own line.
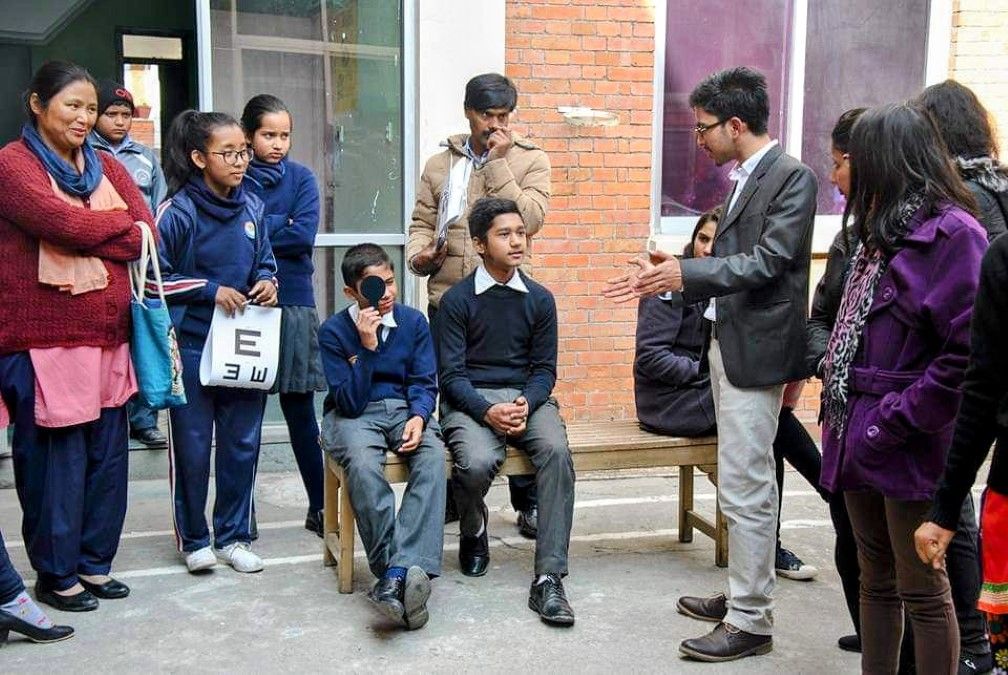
<point x="892" y="369"/>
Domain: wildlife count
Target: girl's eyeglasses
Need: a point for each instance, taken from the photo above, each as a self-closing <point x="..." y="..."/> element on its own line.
<point x="233" y="157"/>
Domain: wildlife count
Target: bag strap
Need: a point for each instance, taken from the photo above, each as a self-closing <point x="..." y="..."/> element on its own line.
<point x="148" y="259"/>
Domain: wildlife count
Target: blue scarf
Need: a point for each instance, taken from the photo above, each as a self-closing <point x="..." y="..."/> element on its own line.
<point x="66" y="176"/>
<point x="220" y="208"/>
<point x="264" y="174"/>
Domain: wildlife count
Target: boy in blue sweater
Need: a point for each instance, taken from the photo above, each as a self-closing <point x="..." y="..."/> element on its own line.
<point x="497" y="351"/>
<point x="382" y="375"/>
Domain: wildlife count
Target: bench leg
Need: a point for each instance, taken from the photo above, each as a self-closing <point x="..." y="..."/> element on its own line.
<point x="685" y="503"/>
<point x="330" y="513"/>
<point x="720" y="528"/>
<point x="346" y="541"/>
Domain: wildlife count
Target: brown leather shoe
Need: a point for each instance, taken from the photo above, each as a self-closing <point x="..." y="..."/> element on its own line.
<point x="726" y="643"/>
<point x="713" y="609"/>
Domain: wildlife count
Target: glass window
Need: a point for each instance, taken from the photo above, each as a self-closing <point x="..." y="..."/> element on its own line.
<point x="855" y="55"/>
<point x="701" y="38"/>
<point x="847" y="41"/>
<point x="338" y="66"/>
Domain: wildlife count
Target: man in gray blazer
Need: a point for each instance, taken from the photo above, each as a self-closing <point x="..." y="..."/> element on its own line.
<point x="756" y="284"/>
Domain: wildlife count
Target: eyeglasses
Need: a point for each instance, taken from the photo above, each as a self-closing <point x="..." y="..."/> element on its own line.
<point x="233" y="157"/>
<point x="702" y="129"/>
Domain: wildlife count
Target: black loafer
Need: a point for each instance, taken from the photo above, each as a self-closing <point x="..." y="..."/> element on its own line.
<point x="850" y="643"/>
<point x="110" y="590"/>
<point x="474" y="554"/>
<point x="528" y="523"/>
<point x="81" y="602"/>
<point x="152" y="437"/>
<point x="713" y="609"/>
<point x="550" y="602"/>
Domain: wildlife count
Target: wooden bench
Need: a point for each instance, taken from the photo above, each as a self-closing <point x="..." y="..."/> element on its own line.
<point x="594" y="447"/>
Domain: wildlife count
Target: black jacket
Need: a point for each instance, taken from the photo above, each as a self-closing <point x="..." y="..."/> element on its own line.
<point x="759" y="273"/>
<point x="673" y="395"/>
<point x="983" y="414"/>
<point x="988" y="181"/>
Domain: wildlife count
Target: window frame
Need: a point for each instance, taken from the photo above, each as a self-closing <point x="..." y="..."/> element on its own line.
<point x="672" y="232"/>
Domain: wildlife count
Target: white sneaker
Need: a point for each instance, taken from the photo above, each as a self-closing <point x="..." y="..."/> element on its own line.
<point x="201" y="559"/>
<point x="790" y="566"/>
<point x="240" y="556"/>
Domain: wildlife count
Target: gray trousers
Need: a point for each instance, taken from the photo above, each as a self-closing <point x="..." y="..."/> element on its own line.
<point x="416" y="535"/>
<point x="747" y="493"/>
<point x="478" y="452"/>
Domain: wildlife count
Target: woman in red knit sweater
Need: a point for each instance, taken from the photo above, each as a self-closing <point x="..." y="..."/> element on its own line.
<point x="67" y="230"/>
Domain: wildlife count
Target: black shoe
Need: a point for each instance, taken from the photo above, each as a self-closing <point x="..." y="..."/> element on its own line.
<point x="152" y="437"/>
<point x="549" y="600"/>
<point x="387" y="596"/>
<point x="81" y="602"/>
<point x="9" y="622"/>
<point x="850" y="643"/>
<point x="313" y="522"/>
<point x="110" y="590"/>
<point x="528" y="523"/>
<point x="415" y="596"/>
<point x="714" y="608"/>
<point x="474" y="552"/>
<point x="970" y="664"/>
<point x="726" y="643"/>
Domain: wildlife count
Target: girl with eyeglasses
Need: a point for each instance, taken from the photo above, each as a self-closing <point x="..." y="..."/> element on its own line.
<point x="214" y="251"/>
<point x="291" y="197"/>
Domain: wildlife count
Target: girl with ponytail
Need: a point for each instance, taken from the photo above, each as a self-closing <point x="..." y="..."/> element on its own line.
<point x="214" y="251"/>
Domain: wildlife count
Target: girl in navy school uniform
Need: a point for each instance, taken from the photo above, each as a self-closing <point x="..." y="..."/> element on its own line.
<point x="291" y="198"/>
<point x="213" y="251"/>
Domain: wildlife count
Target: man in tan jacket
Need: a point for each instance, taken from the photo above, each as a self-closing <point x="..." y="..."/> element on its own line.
<point x="489" y="161"/>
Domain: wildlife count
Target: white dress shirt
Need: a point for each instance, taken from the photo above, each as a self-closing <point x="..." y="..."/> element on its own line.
<point x="387" y="321"/>
<point x="484" y="281"/>
<point x="740" y="174"/>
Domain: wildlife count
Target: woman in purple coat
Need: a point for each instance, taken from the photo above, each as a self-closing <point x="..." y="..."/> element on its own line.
<point x="892" y="371"/>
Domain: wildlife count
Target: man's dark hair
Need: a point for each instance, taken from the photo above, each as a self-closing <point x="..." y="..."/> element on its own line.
<point x="842" y="129"/>
<point x="736" y="92"/>
<point x="360" y="257"/>
<point x="483" y="213"/>
<point x="490" y="90"/>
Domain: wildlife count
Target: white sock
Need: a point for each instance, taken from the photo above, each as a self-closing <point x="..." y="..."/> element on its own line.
<point x="539" y="579"/>
<point x="24" y="608"/>
<point x="482" y="529"/>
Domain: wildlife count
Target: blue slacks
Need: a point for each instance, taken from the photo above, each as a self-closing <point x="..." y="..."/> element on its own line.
<point x="236" y="417"/>
<point x="71" y="482"/>
<point x="11" y="583"/>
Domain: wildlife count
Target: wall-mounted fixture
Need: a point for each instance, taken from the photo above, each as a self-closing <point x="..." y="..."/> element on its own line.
<point x="580" y="116"/>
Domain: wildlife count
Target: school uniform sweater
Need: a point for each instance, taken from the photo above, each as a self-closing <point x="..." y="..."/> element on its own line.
<point x="403" y="367"/>
<point x="209" y="241"/>
<point x="291" y="199"/>
<point x="501" y="338"/>
<point x="142" y="164"/>
<point x="36" y="316"/>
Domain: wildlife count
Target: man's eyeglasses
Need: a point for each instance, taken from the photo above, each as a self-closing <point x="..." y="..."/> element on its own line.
<point x="233" y="157"/>
<point x="702" y="129"/>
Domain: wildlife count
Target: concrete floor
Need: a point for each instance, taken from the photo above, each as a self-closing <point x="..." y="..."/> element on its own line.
<point x="627" y="569"/>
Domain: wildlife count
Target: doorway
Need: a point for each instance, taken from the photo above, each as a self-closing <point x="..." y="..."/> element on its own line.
<point x="155" y="70"/>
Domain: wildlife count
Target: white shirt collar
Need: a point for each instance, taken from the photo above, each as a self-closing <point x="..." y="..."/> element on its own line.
<point x="483" y="281"/>
<point x="387" y="320"/>
<point x="744" y="169"/>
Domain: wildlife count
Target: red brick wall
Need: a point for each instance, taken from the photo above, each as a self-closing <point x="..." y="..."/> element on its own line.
<point x="600" y="54"/>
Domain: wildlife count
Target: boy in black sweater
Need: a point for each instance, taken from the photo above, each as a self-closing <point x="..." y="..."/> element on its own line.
<point x="497" y="350"/>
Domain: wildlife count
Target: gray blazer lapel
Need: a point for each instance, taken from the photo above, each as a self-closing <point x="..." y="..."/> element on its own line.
<point x="749" y="190"/>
